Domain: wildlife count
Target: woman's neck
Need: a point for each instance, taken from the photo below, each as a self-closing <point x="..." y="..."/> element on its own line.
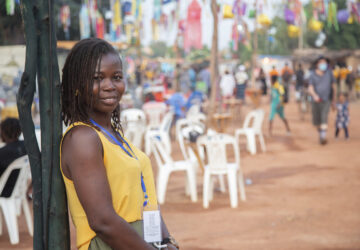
<point x="103" y="120"/>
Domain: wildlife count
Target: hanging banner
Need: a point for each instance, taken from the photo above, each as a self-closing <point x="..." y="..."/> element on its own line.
<point x="193" y="27"/>
<point x="116" y="20"/>
<point x="100" y="25"/>
<point x="85" y="27"/>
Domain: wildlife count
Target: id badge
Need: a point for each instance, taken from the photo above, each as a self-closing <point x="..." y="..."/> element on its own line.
<point x="152" y="224"/>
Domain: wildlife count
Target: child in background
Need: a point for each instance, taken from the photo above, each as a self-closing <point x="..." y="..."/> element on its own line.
<point x="342" y="116"/>
<point x="357" y="83"/>
<point x="277" y="105"/>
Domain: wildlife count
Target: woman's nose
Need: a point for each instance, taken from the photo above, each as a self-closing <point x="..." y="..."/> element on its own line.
<point x="108" y="84"/>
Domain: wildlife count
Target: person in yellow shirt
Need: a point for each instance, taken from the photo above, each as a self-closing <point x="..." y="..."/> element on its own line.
<point x="108" y="180"/>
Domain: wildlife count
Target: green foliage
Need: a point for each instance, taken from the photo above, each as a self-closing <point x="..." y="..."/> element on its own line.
<point x="348" y="35"/>
<point x="159" y="49"/>
<point x="310" y="37"/>
<point x="282" y="44"/>
<point x="198" y="55"/>
<point x="244" y="53"/>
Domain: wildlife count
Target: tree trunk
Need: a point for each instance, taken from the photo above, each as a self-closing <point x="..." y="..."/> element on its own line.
<point x="40" y="34"/>
<point x="214" y="69"/>
<point x="25" y="98"/>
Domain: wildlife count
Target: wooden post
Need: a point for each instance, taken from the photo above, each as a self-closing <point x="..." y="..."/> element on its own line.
<point x="214" y="69"/>
<point x="48" y="184"/>
<point x="255" y="47"/>
<point x="25" y="98"/>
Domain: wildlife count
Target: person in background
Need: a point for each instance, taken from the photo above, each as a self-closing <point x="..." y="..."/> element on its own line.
<point x="138" y="77"/>
<point x="196" y="98"/>
<point x="286" y="76"/>
<point x="273" y="72"/>
<point x="184" y="81"/>
<point x="204" y="75"/>
<point x="241" y="82"/>
<point x="343" y="74"/>
<point x="342" y="116"/>
<point x="262" y="78"/>
<point x="277" y="104"/>
<point x="178" y="105"/>
<point x="192" y="77"/>
<point x="357" y="83"/>
<point x="227" y="86"/>
<point x="299" y="73"/>
<point x="350" y="83"/>
<point x="109" y="182"/>
<point x="13" y="149"/>
<point x="322" y="89"/>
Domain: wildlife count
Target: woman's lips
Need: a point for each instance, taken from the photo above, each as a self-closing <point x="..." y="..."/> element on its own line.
<point x="109" y="100"/>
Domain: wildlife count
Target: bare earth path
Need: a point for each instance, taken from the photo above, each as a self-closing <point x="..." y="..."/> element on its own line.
<point x="302" y="196"/>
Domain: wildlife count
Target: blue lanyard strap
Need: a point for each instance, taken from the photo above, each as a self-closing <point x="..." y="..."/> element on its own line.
<point x="126" y="151"/>
<point x="116" y="140"/>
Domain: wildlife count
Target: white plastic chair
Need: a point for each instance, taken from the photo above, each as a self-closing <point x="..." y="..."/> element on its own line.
<point x="162" y="132"/>
<point x="194" y="114"/>
<point x="134" y="124"/>
<point x="218" y="164"/>
<point x="166" y="165"/>
<point x="154" y="115"/>
<point x="11" y="206"/>
<point x="183" y="127"/>
<point x="252" y="127"/>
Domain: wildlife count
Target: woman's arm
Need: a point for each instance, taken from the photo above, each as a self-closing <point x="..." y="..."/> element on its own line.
<point x="83" y="163"/>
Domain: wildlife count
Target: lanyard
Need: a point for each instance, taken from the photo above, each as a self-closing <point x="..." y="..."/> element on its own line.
<point x="126" y="151"/>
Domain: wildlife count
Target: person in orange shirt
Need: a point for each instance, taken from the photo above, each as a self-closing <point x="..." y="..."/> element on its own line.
<point x="286" y="75"/>
<point x="273" y="72"/>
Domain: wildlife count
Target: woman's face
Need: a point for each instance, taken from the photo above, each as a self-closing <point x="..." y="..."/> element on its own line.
<point x="108" y="84"/>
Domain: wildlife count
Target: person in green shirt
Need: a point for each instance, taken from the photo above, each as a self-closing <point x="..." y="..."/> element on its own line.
<point x="277" y="103"/>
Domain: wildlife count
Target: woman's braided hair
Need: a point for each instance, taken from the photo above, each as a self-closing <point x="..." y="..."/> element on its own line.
<point x="77" y="81"/>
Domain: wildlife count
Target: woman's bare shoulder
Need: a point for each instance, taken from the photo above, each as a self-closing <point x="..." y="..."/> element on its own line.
<point x="81" y="140"/>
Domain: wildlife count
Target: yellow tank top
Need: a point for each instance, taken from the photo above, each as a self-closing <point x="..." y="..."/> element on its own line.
<point x="124" y="177"/>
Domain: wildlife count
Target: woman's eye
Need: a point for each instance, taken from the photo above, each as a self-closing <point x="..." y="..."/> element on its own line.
<point x="97" y="78"/>
<point x="118" y="77"/>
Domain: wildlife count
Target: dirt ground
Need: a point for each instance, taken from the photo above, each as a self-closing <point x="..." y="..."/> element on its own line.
<point x="302" y="196"/>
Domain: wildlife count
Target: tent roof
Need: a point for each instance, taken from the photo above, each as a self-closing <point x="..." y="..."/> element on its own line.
<point x="310" y="55"/>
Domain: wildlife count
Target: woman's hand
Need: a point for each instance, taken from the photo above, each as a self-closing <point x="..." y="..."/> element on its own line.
<point x="171" y="247"/>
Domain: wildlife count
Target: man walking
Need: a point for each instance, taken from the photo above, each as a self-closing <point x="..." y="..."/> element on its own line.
<point x="322" y="89"/>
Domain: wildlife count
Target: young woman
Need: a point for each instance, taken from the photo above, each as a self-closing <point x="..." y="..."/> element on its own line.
<point x="108" y="181"/>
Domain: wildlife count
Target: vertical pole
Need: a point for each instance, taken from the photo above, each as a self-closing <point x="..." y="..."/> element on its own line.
<point x="25" y="98"/>
<point x="301" y="35"/>
<point x="51" y="225"/>
<point x="55" y="216"/>
<point x="214" y="70"/>
<point x="255" y="47"/>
